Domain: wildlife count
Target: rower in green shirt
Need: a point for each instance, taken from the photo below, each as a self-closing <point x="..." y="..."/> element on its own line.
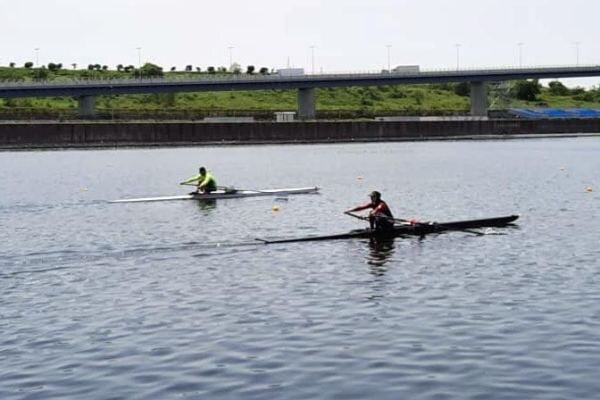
<point x="206" y="182"/>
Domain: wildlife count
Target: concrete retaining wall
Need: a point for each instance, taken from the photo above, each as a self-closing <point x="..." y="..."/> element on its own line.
<point x="93" y="134"/>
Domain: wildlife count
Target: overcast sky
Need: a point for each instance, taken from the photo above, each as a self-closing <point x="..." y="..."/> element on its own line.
<point x="347" y="35"/>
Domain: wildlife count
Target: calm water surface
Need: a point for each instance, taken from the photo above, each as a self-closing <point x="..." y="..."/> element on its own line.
<point x="170" y="300"/>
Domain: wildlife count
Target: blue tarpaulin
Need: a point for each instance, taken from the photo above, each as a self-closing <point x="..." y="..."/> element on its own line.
<point x="555" y="112"/>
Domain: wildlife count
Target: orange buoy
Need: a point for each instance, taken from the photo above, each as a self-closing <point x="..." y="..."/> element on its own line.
<point x="275" y="208"/>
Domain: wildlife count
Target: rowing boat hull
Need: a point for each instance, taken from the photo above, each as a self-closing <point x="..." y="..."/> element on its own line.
<point x="222" y="194"/>
<point x="419" y="229"/>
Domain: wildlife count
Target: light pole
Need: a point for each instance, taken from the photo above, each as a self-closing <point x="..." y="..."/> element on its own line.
<point x="457" y="45"/>
<point x="139" y="51"/>
<point x="389" y="46"/>
<point x="37" y="56"/>
<point x="312" y="55"/>
<point x="230" y="48"/>
<point x="577" y="52"/>
<point x="520" y="44"/>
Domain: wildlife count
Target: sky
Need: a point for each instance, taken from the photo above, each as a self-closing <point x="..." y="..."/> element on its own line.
<point x="332" y="35"/>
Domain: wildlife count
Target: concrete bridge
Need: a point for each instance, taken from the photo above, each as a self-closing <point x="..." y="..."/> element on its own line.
<point x="87" y="90"/>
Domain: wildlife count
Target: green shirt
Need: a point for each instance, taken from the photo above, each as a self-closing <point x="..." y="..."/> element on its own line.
<point x="207" y="181"/>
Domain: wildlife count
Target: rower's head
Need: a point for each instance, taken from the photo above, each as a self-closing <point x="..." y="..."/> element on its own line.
<point x="375" y="196"/>
<point x="202" y="171"/>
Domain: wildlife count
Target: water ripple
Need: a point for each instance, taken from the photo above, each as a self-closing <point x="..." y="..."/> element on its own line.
<point x="172" y="300"/>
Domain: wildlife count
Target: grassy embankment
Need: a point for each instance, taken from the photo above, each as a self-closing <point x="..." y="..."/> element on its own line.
<point x="402" y="99"/>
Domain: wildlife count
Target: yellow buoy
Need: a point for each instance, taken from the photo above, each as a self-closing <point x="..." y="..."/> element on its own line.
<point x="589" y="189"/>
<point x="275" y="208"/>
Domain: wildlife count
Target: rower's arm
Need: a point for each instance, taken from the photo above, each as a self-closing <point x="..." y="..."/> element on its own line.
<point x="195" y="178"/>
<point x="360" y="208"/>
<point x="203" y="182"/>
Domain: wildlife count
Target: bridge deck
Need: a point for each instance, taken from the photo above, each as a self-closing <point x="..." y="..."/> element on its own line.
<point x="266" y="82"/>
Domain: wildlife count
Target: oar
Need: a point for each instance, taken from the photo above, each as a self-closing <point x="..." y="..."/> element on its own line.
<point x="232" y="189"/>
<point x="382" y="216"/>
<point x="356" y="216"/>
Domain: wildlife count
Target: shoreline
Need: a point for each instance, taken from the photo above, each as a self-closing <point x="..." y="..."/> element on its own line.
<point x="48" y="135"/>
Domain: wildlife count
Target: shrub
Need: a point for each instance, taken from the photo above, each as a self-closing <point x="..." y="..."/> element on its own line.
<point x="526" y="90"/>
<point x="462" y="89"/>
<point x="558" y="89"/>
<point x="149" y="70"/>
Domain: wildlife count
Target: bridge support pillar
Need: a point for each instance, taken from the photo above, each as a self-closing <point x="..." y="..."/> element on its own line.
<point x="86" y="106"/>
<point x="306" y="103"/>
<point x="479" y="104"/>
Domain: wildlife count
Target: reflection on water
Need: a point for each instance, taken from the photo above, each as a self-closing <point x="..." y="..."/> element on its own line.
<point x="207" y="204"/>
<point x="380" y="252"/>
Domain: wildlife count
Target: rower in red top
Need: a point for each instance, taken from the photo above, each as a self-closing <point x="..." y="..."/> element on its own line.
<point x="380" y="217"/>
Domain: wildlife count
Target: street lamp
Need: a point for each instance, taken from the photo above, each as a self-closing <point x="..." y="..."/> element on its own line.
<point x="230" y="48"/>
<point x="139" y="51"/>
<point x="37" y="56"/>
<point x="577" y="51"/>
<point x="520" y="44"/>
<point x="457" y="45"/>
<point x="389" y="46"/>
<point x="312" y="54"/>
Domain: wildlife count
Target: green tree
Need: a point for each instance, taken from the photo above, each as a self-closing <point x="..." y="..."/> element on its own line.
<point x="264" y="71"/>
<point x="250" y="69"/>
<point x="577" y="91"/>
<point x="211" y="70"/>
<point x="40" y="74"/>
<point x="586" y="96"/>
<point x="12" y="65"/>
<point x="558" y="89"/>
<point x="28" y="65"/>
<point x="120" y="67"/>
<point x="149" y="70"/>
<point x="462" y="89"/>
<point x="527" y="90"/>
<point x="188" y="68"/>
